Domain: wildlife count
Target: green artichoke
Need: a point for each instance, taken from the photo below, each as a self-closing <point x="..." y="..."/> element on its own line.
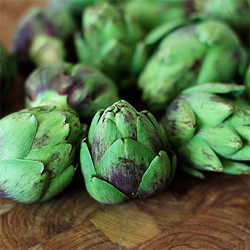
<point x="37" y="149"/>
<point x="150" y="14"/>
<point x="191" y="54"/>
<point x="8" y="70"/>
<point x="210" y="130"/>
<point x="111" y="43"/>
<point x="126" y="155"/>
<point x="236" y="13"/>
<point x="81" y="87"/>
<point x="42" y="36"/>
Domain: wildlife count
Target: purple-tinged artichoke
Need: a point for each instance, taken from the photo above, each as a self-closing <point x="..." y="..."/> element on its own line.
<point x="42" y="36"/>
<point x="81" y="87"/>
<point x="125" y="155"/>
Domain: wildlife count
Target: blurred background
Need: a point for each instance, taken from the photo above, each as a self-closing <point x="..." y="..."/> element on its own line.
<point x="10" y="13"/>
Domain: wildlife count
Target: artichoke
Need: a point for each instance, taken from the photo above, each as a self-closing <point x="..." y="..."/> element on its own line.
<point x="42" y="36"/>
<point x="236" y="13"/>
<point x="210" y="129"/>
<point x="111" y="43"/>
<point x="38" y="146"/>
<point x="191" y="54"/>
<point x="83" y="88"/>
<point x="126" y="155"/>
<point x="150" y="14"/>
<point x="8" y="70"/>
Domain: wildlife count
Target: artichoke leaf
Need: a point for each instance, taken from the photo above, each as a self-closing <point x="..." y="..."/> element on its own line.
<point x="222" y="139"/>
<point x="148" y="135"/>
<point x="48" y="124"/>
<point x="17" y="132"/>
<point x="104" y="192"/>
<point x="139" y="58"/>
<point x="93" y="126"/>
<point x="105" y="135"/>
<point x="213" y="33"/>
<point x="217" y="88"/>
<point x="232" y="167"/>
<point x="58" y="184"/>
<point x="213" y="59"/>
<point x="75" y="132"/>
<point x="51" y="156"/>
<point x="134" y="33"/>
<point x="87" y="166"/>
<point x="200" y="155"/>
<point x="210" y="110"/>
<point x="157" y="127"/>
<point x="83" y="50"/>
<point x="126" y="120"/>
<point x="244" y="132"/>
<point x="124" y="164"/>
<point x="242" y="154"/>
<point x="163" y="30"/>
<point x="22" y="180"/>
<point x="241" y="117"/>
<point x="180" y="121"/>
<point x="156" y="176"/>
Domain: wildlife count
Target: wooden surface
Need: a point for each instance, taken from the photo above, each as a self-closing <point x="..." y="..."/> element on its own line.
<point x="193" y="214"/>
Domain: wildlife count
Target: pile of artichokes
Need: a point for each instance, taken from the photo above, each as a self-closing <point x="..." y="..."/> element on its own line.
<point x="185" y="60"/>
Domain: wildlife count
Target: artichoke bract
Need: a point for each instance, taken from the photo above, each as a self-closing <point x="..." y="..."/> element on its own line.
<point x="150" y="14"/>
<point x="81" y="87"/>
<point x="191" y="54"/>
<point x="37" y="149"/>
<point x="8" y="70"/>
<point x="42" y="36"/>
<point x="210" y="129"/>
<point x="111" y="42"/>
<point x="125" y="155"/>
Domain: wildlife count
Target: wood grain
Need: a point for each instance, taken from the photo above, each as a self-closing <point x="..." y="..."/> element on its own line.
<point x="193" y="214"/>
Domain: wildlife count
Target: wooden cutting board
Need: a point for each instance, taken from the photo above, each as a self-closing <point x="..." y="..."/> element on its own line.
<point x="192" y="214"/>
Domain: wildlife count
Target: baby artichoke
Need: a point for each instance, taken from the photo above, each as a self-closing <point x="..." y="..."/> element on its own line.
<point x="191" y="54"/>
<point x="37" y="149"/>
<point x="8" y="70"/>
<point x="111" y="42"/>
<point x="125" y="155"/>
<point x="42" y="36"/>
<point x="210" y="130"/>
<point x="81" y="87"/>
